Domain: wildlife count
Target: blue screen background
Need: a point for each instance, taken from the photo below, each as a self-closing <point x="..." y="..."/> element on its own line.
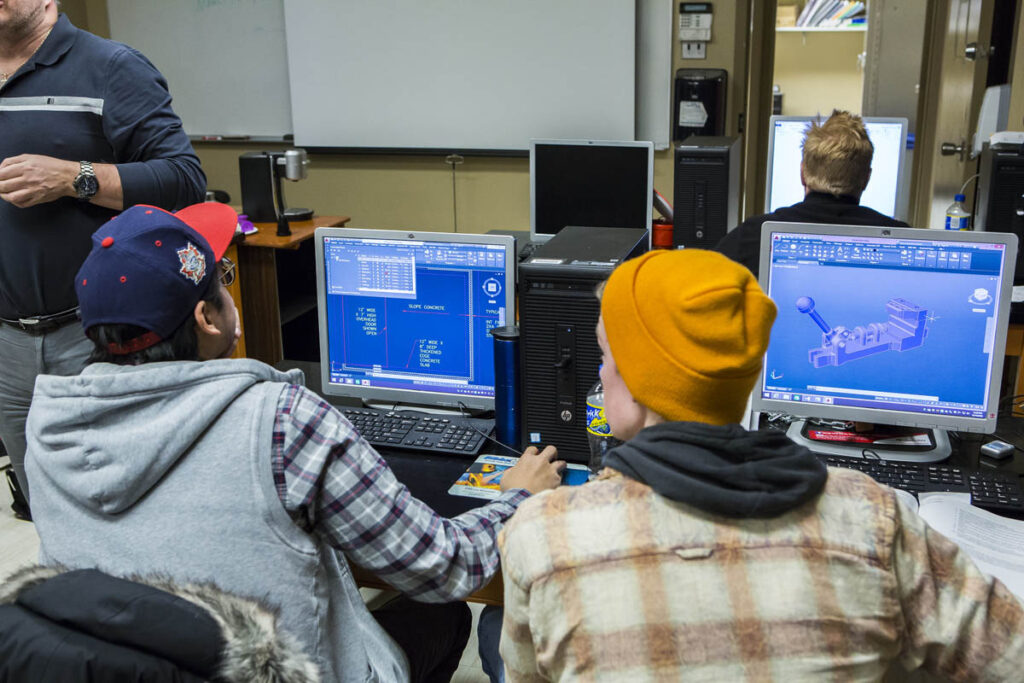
<point x="951" y="364"/>
<point x="443" y="331"/>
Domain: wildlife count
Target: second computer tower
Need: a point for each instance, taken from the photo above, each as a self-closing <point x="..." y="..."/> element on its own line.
<point x="707" y="190"/>
<point x="1000" y="203"/>
<point x="558" y="312"/>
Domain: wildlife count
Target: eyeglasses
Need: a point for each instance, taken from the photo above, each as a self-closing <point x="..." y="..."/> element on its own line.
<point x="227" y="271"/>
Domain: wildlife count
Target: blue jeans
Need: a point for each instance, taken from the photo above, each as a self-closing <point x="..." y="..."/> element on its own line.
<point x="488" y="635"/>
<point x="63" y="351"/>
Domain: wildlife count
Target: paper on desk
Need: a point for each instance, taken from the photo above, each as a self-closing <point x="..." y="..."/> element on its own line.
<point x="1017" y="295"/>
<point x="996" y="544"/>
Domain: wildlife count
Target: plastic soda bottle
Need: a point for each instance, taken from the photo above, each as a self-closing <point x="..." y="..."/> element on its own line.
<point x="599" y="432"/>
<point x="957" y="215"/>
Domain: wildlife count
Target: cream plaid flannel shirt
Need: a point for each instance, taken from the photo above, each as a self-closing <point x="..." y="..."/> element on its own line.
<point x="610" y="581"/>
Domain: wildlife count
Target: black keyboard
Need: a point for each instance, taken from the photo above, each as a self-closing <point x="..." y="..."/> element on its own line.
<point x="999" y="492"/>
<point x="414" y="431"/>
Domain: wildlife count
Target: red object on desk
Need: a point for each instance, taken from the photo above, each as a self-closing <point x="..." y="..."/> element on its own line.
<point x="661" y="237"/>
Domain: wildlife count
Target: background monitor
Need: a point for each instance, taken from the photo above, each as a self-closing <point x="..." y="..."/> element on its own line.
<point x="896" y="326"/>
<point x="785" y="152"/>
<point x="594" y="183"/>
<point x="405" y="317"/>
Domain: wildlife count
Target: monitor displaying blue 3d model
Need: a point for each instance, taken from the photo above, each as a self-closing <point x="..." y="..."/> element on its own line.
<point x="785" y="153"/>
<point x="887" y="325"/>
<point x="405" y="317"/>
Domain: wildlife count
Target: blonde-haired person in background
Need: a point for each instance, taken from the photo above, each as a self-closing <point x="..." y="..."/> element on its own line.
<point x="835" y="170"/>
<point x="704" y="552"/>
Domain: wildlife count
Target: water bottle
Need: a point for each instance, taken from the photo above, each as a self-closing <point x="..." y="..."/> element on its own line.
<point x="599" y="432"/>
<point x="957" y="215"/>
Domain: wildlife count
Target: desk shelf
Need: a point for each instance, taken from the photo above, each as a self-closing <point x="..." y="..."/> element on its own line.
<point x="278" y="277"/>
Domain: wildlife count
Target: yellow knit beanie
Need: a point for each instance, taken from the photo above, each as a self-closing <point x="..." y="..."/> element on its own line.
<point x="688" y="330"/>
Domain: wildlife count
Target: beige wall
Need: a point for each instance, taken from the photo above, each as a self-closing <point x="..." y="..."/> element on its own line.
<point x="818" y="71"/>
<point x="403" y="191"/>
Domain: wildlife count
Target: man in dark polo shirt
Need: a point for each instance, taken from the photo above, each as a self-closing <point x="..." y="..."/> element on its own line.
<point x="86" y="128"/>
<point x="835" y="170"/>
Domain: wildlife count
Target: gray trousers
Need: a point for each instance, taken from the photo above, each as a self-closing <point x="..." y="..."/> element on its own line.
<point x="23" y="356"/>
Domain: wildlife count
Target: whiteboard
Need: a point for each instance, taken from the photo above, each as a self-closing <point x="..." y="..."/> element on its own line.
<point x="227" y="66"/>
<point x="654" y="72"/>
<point x="224" y="60"/>
<point x="460" y="74"/>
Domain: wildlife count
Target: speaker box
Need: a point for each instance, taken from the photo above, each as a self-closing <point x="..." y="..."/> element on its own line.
<point x="1000" y="201"/>
<point x="558" y="311"/>
<point x="707" y="190"/>
<point x="255" y="171"/>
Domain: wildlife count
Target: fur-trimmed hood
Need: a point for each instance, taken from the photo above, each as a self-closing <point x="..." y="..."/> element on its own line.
<point x="197" y="627"/>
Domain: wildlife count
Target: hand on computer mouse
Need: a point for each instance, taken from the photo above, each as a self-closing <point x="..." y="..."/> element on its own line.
<point x="536" y="471"/>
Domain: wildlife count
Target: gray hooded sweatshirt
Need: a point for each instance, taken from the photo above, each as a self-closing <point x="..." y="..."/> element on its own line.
<point x="165" y="468"/>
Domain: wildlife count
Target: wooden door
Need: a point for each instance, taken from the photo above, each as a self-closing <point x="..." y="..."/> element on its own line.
<point x="954" y="68"/>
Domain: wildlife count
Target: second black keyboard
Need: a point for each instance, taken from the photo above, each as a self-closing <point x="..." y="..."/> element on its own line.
<point x="998" y="492"/>
<point x="415" y="431"/>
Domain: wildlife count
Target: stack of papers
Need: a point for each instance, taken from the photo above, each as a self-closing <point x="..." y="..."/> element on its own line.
<point x="996" y="544"/>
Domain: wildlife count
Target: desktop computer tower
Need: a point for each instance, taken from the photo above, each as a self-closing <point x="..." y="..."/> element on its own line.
<point x="707" y="190"/>
<point x="1000" y="202"/>
<point x="558" y="312"/>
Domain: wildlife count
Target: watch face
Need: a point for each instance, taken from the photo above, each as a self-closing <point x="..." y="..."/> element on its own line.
<point x="86" y="186"/>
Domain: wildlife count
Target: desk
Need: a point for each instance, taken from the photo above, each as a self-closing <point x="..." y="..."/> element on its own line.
<point x="257" y="271"/>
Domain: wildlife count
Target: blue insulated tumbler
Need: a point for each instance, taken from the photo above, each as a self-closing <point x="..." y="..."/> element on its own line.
<point x="506" y="386"/>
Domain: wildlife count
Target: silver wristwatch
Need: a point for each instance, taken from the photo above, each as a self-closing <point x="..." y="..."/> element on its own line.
<point x="85" y="183"/>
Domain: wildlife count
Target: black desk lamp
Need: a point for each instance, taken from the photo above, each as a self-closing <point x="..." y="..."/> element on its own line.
<point x="292" y="165"/>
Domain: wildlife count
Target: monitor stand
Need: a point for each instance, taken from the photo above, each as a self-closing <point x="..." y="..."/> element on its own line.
<point x="936" y="450"/>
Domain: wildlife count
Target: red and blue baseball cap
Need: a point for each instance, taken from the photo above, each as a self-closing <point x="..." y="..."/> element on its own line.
<point x="149" y="267"/>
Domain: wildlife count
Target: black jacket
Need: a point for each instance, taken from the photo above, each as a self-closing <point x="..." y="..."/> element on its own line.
<point x="743" y="244"/>
<point x="84" y="625"/>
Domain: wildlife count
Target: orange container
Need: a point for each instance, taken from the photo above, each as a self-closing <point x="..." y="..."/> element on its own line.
<point x="661" y="237"/>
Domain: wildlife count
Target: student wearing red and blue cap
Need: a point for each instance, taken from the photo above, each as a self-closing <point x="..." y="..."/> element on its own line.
<point x="166" y="456"/>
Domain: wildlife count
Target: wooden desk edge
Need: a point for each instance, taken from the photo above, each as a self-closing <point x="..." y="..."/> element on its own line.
<point x="491" y="594"/>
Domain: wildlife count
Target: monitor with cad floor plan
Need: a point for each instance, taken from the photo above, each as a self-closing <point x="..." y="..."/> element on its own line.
<point x="785" y="153"/>
<point x="896" y="326"/>
<point x="405" y="317"/>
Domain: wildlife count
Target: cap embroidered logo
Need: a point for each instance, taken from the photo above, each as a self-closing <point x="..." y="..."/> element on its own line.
<point x="193" y="263"/>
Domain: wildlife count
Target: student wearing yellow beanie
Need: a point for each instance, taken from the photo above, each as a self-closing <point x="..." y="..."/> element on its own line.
<point x="707" y="552"/>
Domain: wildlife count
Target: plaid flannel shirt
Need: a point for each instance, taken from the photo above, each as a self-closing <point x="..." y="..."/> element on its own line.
<point x="335" y="485"/>
<point x="610" y="581"/>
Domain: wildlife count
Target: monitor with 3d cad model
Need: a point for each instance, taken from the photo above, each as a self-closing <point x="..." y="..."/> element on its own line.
<point x="785" y="153"/>
<point x="896" y="326"/>
<point x="405" y="317"/>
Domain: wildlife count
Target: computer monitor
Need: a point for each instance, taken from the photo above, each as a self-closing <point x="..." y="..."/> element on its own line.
<point x="405" y="317"/>
<point x="785" y="152"/>
<point x="596" y="183"/>
<point x="896" y="326"/>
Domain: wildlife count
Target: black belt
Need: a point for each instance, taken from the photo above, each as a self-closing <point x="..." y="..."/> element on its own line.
<point x="41" y="324"/>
